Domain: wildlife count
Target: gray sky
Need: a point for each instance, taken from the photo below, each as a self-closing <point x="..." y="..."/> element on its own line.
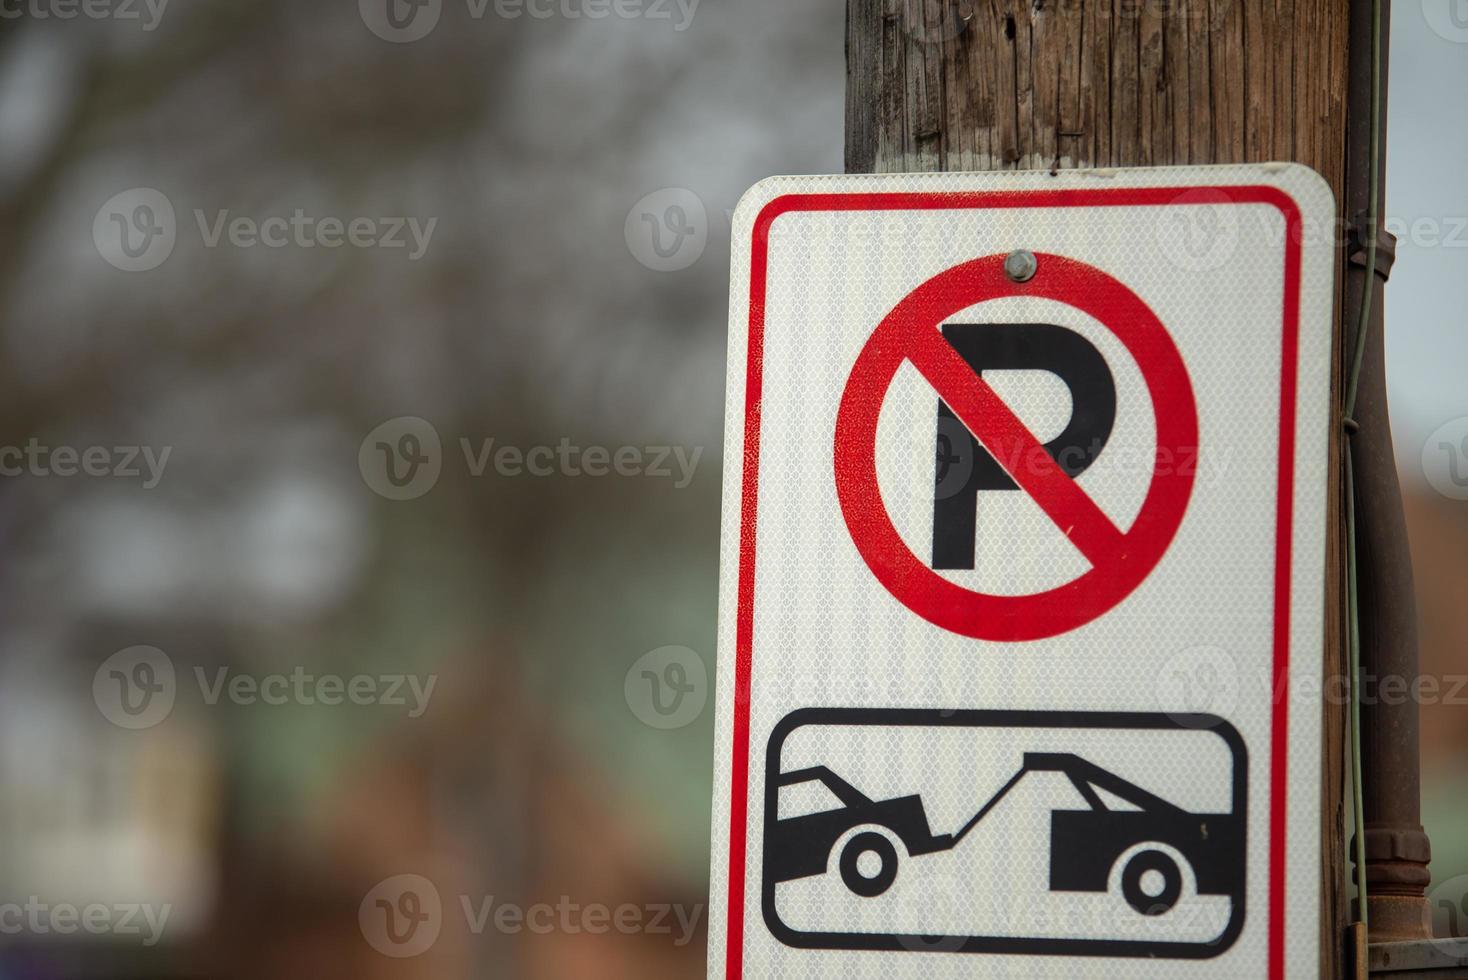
<point x="1427" y="156"/>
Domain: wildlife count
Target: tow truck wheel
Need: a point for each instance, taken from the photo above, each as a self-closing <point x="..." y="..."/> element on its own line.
<point x="869" y="864"/>
<point x="1152" y="882"/>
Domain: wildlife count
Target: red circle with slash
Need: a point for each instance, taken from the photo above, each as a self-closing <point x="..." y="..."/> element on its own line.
<point x="1120" y="560"/>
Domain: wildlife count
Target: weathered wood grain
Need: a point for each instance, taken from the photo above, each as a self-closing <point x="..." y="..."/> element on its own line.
<point x="1039" y="84"/>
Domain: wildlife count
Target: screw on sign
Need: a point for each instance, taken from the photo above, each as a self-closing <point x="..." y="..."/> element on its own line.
<point x="1120" y="559"/>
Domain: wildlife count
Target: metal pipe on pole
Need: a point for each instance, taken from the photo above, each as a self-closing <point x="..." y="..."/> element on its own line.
<point x="1397" y="850"/>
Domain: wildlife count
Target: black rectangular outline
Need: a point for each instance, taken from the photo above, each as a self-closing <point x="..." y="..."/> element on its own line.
<point x="987" y="718"/>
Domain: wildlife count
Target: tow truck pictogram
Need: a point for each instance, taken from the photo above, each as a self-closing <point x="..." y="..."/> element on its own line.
<point x="1150" y="853"/>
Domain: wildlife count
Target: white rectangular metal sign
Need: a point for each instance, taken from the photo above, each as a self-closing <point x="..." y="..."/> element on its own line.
<point x="1022" y="603"/>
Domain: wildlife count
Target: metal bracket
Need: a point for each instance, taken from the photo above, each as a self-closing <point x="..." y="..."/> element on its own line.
<point x="1386" y="247"/>
<point x="1423" y="959"/>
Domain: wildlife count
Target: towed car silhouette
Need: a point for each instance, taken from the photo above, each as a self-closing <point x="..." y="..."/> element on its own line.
<point x="800" y="847"/>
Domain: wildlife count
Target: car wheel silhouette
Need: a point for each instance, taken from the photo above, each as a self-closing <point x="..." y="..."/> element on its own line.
<point x="1151" y="881"/>
<point x="869" y="864"/>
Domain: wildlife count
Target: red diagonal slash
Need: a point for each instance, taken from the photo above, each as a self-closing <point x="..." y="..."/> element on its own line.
<point x="1119" y="561"/>
<point x="1015" y="448"/>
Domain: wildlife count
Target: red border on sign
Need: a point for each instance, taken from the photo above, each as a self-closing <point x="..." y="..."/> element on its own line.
<point x="1120" y="560"/>
<point x="996" y="200"/>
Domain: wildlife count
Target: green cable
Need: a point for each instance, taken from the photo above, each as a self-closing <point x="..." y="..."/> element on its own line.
<point x="1352" y="592"/>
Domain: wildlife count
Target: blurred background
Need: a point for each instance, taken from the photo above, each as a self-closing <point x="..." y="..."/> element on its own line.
<point x="361" y="400"/>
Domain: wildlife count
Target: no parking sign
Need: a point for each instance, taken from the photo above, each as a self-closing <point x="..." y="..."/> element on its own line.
<point x="916" y="332"/>
<point x="1005" y="452"/>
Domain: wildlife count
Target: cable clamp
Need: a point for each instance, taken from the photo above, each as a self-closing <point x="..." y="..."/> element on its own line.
<point x="1386" y="246"/>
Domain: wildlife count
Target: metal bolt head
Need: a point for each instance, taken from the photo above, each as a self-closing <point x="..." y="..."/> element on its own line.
<point x="1020" y="265"/>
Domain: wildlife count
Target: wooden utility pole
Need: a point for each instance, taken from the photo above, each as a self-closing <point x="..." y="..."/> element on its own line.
<point x="1036" y="84"/>
<point x="943" y="85"/>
